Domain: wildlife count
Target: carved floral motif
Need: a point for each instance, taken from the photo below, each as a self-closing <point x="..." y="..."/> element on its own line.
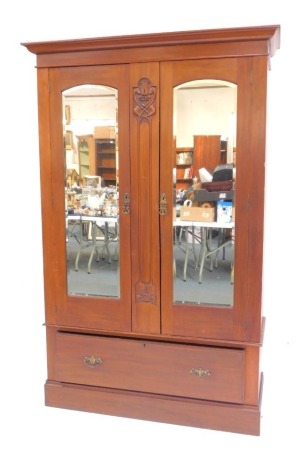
<point x="146" y="292"/>
<point x="144" y="99"/>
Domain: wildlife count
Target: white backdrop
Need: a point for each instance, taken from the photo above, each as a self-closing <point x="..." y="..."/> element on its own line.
<point x="34" y="436"/>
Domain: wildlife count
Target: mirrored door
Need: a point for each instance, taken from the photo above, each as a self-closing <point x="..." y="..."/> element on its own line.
<point x="91" y="172"/>
<point x="198" y="178"/>
<point x="92" y="190"/>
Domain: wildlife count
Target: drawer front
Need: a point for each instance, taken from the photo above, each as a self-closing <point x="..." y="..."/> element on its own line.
<point x="148" y="366"/>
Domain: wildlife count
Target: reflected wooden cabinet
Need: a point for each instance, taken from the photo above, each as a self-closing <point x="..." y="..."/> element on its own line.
<point x="143" y="354"/>
<point x="105" y="155"/>
<point x="86" y="155"/>
<point x="209" y="152"/>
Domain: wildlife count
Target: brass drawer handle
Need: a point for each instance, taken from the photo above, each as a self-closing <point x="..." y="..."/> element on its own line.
<point x="92" y="361"/>
<point x="200" y="372"/>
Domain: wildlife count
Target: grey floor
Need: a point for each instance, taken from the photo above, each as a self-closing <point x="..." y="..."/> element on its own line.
<point x="104" y="279"/>
<point x="104" y="276"/>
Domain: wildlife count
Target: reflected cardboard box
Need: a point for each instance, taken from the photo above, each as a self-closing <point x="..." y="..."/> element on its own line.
<point x="198" y="214"/>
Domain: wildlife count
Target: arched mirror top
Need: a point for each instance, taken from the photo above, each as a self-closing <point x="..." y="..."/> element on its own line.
<point x="205" y="83"/>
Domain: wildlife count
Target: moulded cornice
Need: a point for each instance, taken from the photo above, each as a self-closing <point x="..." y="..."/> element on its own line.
<point x="269" y="34"/>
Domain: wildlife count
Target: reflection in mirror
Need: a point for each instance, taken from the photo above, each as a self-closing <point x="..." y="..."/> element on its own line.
<point x="204" y="128"/>
<point x="91" y="190"/>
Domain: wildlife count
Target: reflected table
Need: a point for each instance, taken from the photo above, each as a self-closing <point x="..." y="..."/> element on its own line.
<point x="201" y="233"/>
<point x="96" y="228"/>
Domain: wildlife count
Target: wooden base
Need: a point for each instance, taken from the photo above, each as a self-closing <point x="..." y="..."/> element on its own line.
<point x="166" y="409"/>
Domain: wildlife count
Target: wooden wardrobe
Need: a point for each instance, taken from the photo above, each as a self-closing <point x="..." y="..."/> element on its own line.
<point x="142" y="354"/>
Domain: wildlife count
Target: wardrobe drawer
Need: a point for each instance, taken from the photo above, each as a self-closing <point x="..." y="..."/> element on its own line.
<point x="149" y="366"/>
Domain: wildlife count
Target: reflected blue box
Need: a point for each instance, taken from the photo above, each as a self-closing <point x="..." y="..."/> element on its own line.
<point x="224" y="211"/>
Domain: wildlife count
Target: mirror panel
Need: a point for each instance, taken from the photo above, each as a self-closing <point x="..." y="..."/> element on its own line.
<point x="204" y="128"/>
<point x="91" y="190"/>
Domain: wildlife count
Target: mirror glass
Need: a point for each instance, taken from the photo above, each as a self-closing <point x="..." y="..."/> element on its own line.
<point x="204" y="128"/>
<point x="91" y="190"/>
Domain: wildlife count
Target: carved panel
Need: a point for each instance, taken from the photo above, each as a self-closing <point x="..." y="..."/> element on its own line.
<point x="144" y="99"/>
<point x="144" y="109"/>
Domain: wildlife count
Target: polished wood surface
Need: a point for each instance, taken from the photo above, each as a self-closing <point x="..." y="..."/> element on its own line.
<point x="227" y="42"/>
<point x="208" y="414"/>
<point x="144" y="151"/>
<point x="144" y="340"/>
<point x="150" y="366"/>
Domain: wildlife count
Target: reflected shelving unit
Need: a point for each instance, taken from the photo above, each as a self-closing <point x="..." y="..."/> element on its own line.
<point x="105" y="155"/>
<point x="184" y="167"/>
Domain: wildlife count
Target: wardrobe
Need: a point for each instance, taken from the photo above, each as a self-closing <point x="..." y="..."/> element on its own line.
<point x="143" y="352"/>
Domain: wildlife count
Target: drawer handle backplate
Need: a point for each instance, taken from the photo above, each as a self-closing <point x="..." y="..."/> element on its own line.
<point x="92" y="361"/>
<point x="200" y="372"/>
